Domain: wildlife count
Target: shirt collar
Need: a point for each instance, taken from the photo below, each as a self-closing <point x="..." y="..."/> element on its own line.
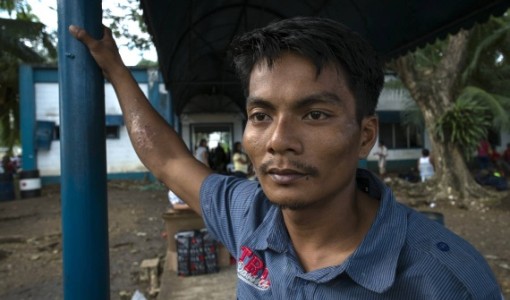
<point x="271" y="233"/>
<point x="373" y="264"/>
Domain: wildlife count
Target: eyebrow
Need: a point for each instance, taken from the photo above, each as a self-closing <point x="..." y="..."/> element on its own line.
<point x="308" y="100"/>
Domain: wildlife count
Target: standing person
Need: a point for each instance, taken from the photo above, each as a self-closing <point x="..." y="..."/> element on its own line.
<point x="313" y="226"/>
<point x="8" y="166"/>
<point x="240" y="160"/>
<point x="202" y="153"/>
<point x="220" y="159"/>
<point x="382" y="153"/>
<point x="425" y="165"/>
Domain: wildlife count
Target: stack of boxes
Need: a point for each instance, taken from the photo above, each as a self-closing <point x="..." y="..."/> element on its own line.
<point x="197" y="246"/>
<point x="196" y="253"/>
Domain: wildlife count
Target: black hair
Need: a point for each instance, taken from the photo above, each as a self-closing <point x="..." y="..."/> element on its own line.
<point x="237" y="147"/>
<point x="425" y="152"/>
<point x="324" y="42"/>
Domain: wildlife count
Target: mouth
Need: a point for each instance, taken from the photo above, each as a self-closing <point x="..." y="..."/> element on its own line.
<point x="286" y="173"/>
<point x="285" y="176"/>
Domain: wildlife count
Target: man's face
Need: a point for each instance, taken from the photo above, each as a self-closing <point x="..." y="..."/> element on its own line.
<point x="302" y="135"/>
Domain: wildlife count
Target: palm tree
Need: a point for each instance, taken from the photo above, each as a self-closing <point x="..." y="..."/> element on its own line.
<point x="460" y="86"/>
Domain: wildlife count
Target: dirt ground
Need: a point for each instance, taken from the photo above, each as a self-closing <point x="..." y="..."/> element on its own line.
<point x="31" y="249"/>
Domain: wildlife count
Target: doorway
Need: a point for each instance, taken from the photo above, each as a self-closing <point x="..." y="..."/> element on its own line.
<point x="219" y="142"/>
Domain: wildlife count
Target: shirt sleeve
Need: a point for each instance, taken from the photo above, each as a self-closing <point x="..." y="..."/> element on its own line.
<point x="225" y="202"/>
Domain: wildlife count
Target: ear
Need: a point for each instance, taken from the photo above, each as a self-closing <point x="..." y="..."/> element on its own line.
<point x="369" y="132"/>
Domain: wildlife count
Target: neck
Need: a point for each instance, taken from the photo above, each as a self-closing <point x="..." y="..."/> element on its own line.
<point x="325" y="235"/>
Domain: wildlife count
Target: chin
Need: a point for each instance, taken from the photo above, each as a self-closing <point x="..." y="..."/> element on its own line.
<point x="292" y="204"/>
<point x="292" y="197"/>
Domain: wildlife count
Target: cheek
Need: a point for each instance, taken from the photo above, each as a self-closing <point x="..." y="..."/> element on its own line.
<point x="252" y="144"/>
<point x="340" y="145"/>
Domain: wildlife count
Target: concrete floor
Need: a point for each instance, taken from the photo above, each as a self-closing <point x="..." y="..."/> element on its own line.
<point x="216" y="286"/>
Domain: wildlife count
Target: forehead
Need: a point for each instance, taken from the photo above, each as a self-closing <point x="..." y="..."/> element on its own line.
<point x="295" y="74"/>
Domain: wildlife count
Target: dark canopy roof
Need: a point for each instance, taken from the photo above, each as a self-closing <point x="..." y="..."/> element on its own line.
<point x="191" y="36"/>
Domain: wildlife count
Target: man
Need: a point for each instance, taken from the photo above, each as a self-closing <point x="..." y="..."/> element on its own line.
<point x="202" y="152"/>
<point x="382" y="153"/>
<point x="313" y="226"/>
<point x="240" y="160"/>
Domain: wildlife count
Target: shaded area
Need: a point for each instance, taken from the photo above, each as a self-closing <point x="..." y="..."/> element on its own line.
<point x="191" y="37"/>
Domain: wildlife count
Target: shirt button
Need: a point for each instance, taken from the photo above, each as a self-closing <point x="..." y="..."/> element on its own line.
<point x="443" y="246"/>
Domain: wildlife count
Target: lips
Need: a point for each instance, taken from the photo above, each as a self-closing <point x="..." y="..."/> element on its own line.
<point x="284" y="176"/>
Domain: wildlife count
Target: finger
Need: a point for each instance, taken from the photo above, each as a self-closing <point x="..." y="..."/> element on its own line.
<point x="107" y="31"/>
<point x="80" y="34"/>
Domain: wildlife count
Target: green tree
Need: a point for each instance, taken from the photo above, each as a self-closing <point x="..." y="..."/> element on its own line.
<point x="122" y="21"/>
<point x="461" y="86"/>
<point x="23" y="39"/>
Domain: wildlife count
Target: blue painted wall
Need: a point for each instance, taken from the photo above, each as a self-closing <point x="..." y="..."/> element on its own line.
<point x="30" y="75"/>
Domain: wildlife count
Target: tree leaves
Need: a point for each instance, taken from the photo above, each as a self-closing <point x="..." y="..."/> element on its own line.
<point x="23" y="39"/>
<point x="467" y="121"/>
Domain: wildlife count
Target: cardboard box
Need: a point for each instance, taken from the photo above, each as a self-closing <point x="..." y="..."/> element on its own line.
<point x="176" y="221"/>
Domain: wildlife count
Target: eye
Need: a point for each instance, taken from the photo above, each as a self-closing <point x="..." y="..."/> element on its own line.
<point x="259" y="117"/>
<point x="316" y="115"/>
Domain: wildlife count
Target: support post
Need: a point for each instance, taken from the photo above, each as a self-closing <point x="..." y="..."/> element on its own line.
<point x="83" y="156"/>
<point x="27" y="117"/>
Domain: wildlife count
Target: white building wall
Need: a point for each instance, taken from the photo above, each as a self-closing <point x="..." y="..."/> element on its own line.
<point x="120" y="155"/>
<point x="395" y="99"/>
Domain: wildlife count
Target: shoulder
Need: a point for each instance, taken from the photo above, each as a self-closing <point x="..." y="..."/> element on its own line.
<point x="233" y="195"/>
<point x="446" y="259"/>
<point x="232" y="208"/>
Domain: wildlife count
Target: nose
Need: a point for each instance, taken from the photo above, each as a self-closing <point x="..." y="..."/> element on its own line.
<point x="285" y="137"/>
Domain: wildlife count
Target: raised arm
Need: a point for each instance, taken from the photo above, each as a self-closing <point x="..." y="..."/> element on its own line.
<point x="158" y="146"/>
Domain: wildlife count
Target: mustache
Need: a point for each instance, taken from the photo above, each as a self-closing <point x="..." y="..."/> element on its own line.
<point x="297" y="165"/>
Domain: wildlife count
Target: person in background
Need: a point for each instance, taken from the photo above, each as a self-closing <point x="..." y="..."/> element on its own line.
<point x="176" y="202"/>
<point x="313" y="226"/>
<point x="202" y="153"/>
<point x="240" y="161"/>
<point x="382" y="153"/>
<point x="220" y="159"/>
<point x="8" y="165"/>
<point x="425" y="165"/>
<point x="483" y="154"/>
<point x="501" y="161"/>
<point x="506" y="154"/>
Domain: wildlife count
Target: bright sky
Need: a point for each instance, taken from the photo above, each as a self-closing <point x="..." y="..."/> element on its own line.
<point x="46" y="10"/>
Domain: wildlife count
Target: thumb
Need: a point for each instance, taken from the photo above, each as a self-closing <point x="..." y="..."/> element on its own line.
<point x="80" y="34"/>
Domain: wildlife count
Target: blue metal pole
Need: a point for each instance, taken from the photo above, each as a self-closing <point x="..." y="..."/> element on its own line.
<point x="27" y="117"/>
<point x="83" y="156"/>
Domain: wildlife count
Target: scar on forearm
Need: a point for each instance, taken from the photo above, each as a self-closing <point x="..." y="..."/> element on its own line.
<point x="142" y="134"/>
